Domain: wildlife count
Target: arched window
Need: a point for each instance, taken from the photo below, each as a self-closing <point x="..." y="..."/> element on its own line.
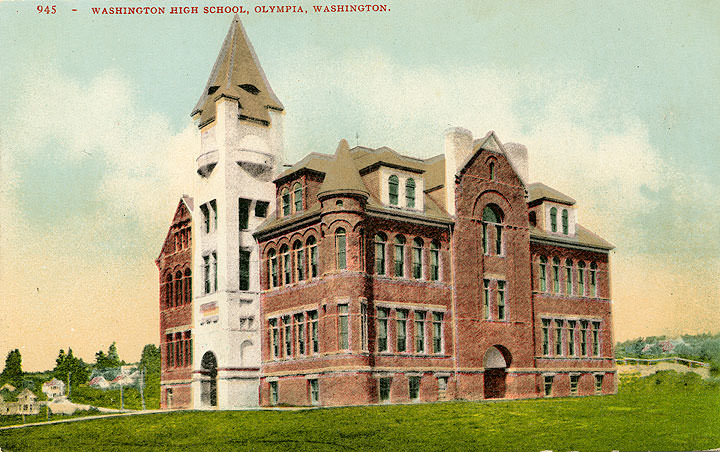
<point x="553" y="219"/>
<point x="297" y="197"/>
<point x="556" y="274"/>
<point x="434" y="261"/>
<point x="568" y="277"/>
<point x="393" y="189"/>
<point x="492" y="170"/>
<point x="273" y="268"/>
<point x="178" y="289"/>
<point x="565" y="225"/>
<point x="417" y="258"/>
<point x="492" y="215"/>
<point x="286" y="264"/>
<point x="593" y="279"/>
<point x="188" y="285"/>
<point x="299" y="254"/>
<point x="380" y="240"/>
<point x="410" y="193"/>
<point x="168" y="290"/>
<point x="543" y="274"/>
<point x="581" y="278"/>
<point x="312" y="251"/>
<point x="400" y="256"/>
<point x="285" y="202"/>
<point x="340" y="247"/>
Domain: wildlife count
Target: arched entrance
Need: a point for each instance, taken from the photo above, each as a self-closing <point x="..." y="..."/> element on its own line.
<point x="496" y="361"/>
<point x="208" y="390"/>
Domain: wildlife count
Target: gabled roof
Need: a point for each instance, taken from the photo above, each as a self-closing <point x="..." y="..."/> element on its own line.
<point x="186" y="202"/>
<point x="237" y="74"/>
<point x="538" y="192"/>
<point x="489" y="142"/>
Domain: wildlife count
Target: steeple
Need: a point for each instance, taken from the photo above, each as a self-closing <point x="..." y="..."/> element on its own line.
<point x="237" y="74"/>
<point x="341" y="176"/>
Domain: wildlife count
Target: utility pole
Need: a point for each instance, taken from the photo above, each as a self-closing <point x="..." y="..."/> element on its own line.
<point x="142" y="387"/>
<point x="122" y="401"/>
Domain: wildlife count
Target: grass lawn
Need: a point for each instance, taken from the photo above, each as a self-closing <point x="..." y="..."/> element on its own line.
<point x="663" y="412"/>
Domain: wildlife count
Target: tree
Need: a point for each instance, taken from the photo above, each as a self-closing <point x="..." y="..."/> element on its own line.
<point x="109" y="360"/>
<point x="150" y="359"/>
<point x="13" y="373"/>
<point x="69" y="365"/>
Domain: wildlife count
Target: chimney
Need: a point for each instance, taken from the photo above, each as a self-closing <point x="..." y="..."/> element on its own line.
<point x="458" y="147"/>
<point x="518" y="156"/>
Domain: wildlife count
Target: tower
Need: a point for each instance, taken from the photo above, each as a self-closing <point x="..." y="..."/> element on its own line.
<point x="241" y="141"/>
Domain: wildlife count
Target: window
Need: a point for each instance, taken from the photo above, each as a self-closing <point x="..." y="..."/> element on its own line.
<point x="410" y="193"/>
<point x="243" y="213"/>
<point x="417" y="258"/>
<point x="213" y="208"/>
<point x="553" y="219"/>
<point x="299" y="254"/>
<point x="485" y="239"/>
<point x="393" y="190"/>
<point x="287" y="333"/>
<point x="543" y="274"/>
<point x="273" y="268"/>
<point x="581" y="278"/>
<point x="299" y="333"/>
<point x="414" y="387"/>
<point x="571" y="338"/>
<point x="568" y="277"/>
<point x="314" y="391"/>
<point x="382" y="339"/>
<point x="343" y="339"/>
<point x="596" y="338"/>
<point x="492" y="215"/>
<point x="437" y="332"/>
<point x="593" y="279"/>
<point x="214" y="271"/>
<point x="545" y="337"/>
<point x="558" y="337"/>
<point x="206" y="273"/>
<point x="501" y="299"/>
<point x="188" y="285"/>
<point x="178" y="289"/>
<point x="583" y="337"/>
<point x="556" y="274"/>
<point x="498" y="240"/>
<point x="340" y="248"/>
<point x="168" y="291"/>
<point x="565" y="224"/>
<point x="548" y="381"/>
<point x="574" y="384"/>
<point x="399" y="256"/>
<point x="244" y="266"/>
<point x="314" y="344"/>
<point x="380" y="240"/>
<point x="434" y="262"/>
<point x="312" y="246"/>
<point x="442" y="383"/>
<point x="286" y="264"/>
<point x="419" y="332"/>
<point x="273" y="392"/>
<point x="274" y="337"/>
<point x="598" y="383"/>
<point x="261" y="208"/>
<point x="205" y="218"/>
<point x="285" y="198"/>
<point x="401" y="326"/>
<point x="297" y="197"/>
<point x="385" y="389"/>
<point x="363" y="326"/>
<point x="492" y="170"/>
<point x="486" y="299"/>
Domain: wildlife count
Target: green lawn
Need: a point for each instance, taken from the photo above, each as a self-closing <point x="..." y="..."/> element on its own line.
<point x="664" y="412"/>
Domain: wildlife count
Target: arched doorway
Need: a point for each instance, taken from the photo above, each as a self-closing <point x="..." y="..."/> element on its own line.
<point x="496" y="361"/>
<point x="208" y="392"/>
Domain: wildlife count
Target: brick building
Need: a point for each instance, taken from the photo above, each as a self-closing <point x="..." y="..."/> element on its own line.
<point x="367" y="276"/>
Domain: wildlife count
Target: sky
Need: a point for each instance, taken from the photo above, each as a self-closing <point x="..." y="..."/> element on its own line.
<point x="617" y="103"/>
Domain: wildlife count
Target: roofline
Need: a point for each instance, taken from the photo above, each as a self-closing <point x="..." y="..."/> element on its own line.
<point x="375" y="165"/>
<point x="382" y="213"/>
<point x="262" y="234"/>
<point x="302" y="169"/>
<point x="566" y="244"/>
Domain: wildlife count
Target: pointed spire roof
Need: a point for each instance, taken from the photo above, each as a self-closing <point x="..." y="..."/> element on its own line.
<point x="237" y="74"/>
<point x="341" y="175"/>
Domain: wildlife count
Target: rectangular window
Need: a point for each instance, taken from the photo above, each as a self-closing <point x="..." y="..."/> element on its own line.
<point x="379" y="258"/>
<point x="382" y="319"/>
<point x="593" y="283"/>
<point x="315" y="346"/>
<point x="313" y="261"/>
<point x="274" y="270"/>
<point x="434" y="264"/>
<point x="287" y="266"/>
<point x="401" y="325"/>
<point x="274" y="337"/>
<point x="501" y="300"/>
<point x="598" y="383"/>
<point x="437" y="332"/>
<point x="568" y="280"/>
<point x="288" y="336"/>
<point x="364" y="326"/>
<point x="385" y="389"/>
<point x="581" y="281"/>
<point x="314" y="391"/>
<point x="343" y="338"/>
<point x="498" y="240"/>
<point x="414" y="387"/>
<point x="548" y="381"/>
<point x="417" y="262"/>
<point x="558" y="337"/>
<point x="571" y="338"/>
<point x="261" y="208"/>
<point x="556" y="277"/>
<point x="399" y="259"/>
<point x="273" y="392"/>
<point x="300" y="333"/>
<point x="341" y="251"/>
<point x="583" y="337"/>
<point x="214" y="212"/>
<point x="485" y="239"/>
<point x="574" y="384"/>
<point x="205" y="218"/>
<point x="243" y="213"/>
<point x="596" y="338"/>
<point x="442" y="383"/>
<point x="300" y="264"/>
<point x="486" y="299"/>
<point x="244" y="269"/>
<point x="169" y="351"/>
<point x="543" y="281"/>
<point x="419" y="332"/>
<point x="545" y="337"/>
<point x="206" y="273"/>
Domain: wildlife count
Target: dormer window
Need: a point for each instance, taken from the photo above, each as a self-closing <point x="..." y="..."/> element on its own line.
<point x="297" y="197"/>
<point x="553" y="219"/>
<point x="565" y="223"/>
<point x="393" y="189"/>
<point x="410" y="193"/>
<point x="285" y="202"/>
<point x="212" y="89"/>
<point x="252" y="89"/>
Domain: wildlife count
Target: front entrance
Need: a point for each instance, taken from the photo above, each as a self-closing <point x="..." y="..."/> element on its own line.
<point x="496" y="360"/>
<point x="208" y="385"/>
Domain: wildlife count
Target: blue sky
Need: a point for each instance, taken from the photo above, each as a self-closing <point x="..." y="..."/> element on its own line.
<point x="616" y="101"/>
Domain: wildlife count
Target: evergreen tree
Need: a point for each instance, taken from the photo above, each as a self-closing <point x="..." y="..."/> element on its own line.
<point x="13" y="373"/>
<point x="150" y="359"/>
<point x="69" y="365"/>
